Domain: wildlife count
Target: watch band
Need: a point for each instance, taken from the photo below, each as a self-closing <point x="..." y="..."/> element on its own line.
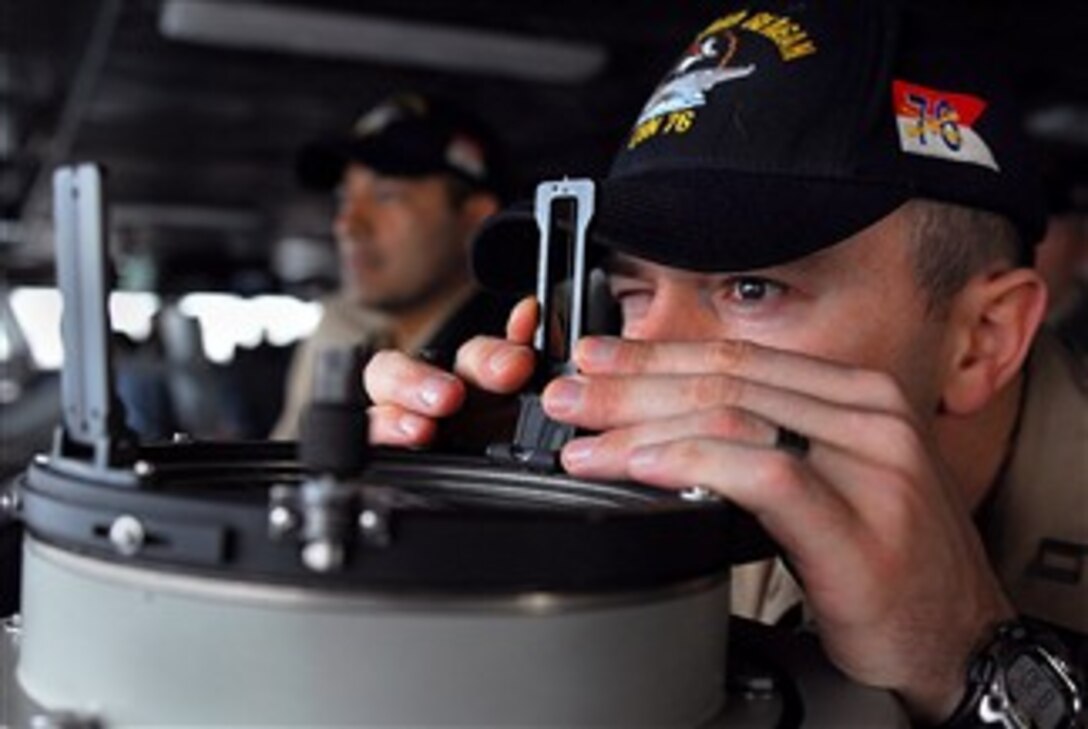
<point x="1021" y="678"/>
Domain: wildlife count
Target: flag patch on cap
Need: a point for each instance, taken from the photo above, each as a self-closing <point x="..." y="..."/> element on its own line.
<point x="466" y="155"/>
<point x="939" y="124"/>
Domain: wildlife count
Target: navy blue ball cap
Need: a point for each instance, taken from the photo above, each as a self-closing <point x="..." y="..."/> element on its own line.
<point x="788" y="126"/>
<point x="409" y="135"/>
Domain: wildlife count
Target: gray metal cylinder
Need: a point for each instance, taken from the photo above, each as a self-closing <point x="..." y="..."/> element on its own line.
<point x="137" y="647"/>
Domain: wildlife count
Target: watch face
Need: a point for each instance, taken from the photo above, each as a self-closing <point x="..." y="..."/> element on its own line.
<point x="1037" y="692"/>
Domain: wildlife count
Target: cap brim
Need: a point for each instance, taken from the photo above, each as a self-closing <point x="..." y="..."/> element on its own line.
<point x="320" y="165"/>
<point x="699" y="220"/>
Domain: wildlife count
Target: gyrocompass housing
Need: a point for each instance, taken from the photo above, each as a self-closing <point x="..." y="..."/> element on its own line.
<point x="266" y="583"/>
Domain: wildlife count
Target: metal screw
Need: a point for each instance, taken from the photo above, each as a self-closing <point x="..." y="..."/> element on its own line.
<point x="323" y="555"/>
<point x="752" y="682"/>
<point x="369" y="521"/>
<point x="375" y="528"/>
<point x="759" y="687"/>
<point x="12" y="625"/>
<point x="281" y="521"/>
<point x="11" y="630"/>
<point x="127" y="535"/>
<point x="9" y="502"/>
<point x="64" y="720"/>
<point x="698" y="493"/>
<point x="143" y="469"/>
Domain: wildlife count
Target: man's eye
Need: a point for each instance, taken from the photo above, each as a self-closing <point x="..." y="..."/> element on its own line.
<point x="386" y="196"/>
<point x="388" y="192"/>
<point x="633" y="303"/>
<point x="754" y="289"/>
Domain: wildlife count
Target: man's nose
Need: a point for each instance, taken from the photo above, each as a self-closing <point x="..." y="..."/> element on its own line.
<point x="352" y="217"/>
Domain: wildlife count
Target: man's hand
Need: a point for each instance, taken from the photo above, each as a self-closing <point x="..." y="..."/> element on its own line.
<point x="881" y="540"/>
<point x="410" y="396"/>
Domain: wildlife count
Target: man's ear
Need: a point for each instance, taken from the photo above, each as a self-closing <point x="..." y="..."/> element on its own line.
<point x="994" y="321"/>
<point x="477" y="208"/>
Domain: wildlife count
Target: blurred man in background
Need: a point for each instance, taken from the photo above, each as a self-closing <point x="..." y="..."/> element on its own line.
<point x="415" y="178"/>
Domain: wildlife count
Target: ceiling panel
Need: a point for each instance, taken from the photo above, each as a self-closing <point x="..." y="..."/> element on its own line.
<point x="182" y="124"/>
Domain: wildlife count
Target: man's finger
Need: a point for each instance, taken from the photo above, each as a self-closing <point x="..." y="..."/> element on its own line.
<point x="499" y="365"/>
<point x="521" y="325"/>
<point x="605" y="402"/>
<point x="392" y="425"/>
<point x="495" y="365"/>
<point x="394" y="378"/>
<point x="801" y="512"/>
<point x="601" y="403"/>
<point x="803" y="373"/>
<point x="605" y="456"/>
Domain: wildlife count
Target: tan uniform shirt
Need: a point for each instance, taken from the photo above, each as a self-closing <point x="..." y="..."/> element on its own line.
<point x="1035" y="525"/>
<point x="344" y="324"/>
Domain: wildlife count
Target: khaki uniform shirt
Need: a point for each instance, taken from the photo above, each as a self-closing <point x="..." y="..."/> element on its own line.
<point x="344" y="324"/>
<point x="1035" y="524"/>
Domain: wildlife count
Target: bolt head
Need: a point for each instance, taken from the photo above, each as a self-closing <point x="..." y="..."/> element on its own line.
<point x="127" y="535"/>
<point x="698" y="493"/>
<point x="323" y="555"/>
<point x="63" y="720"/>
<point x="369" y="520"/>
<point x="9" y="502"/>
<point x="281" y="520"/>
<point x="12" y="625"/>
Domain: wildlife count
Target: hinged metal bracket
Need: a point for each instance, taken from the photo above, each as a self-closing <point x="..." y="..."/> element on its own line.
<point x="564" y="210"/>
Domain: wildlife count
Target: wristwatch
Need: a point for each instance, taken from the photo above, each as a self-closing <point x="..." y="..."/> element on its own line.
<point x="1022" y="678"/>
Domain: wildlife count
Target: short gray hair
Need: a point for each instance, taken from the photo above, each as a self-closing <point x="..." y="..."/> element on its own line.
<point x="951" y="243"/>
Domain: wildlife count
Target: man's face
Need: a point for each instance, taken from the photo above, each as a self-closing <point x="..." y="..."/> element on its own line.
<point x="856" y="303"/>
<point x="401" y="241"/>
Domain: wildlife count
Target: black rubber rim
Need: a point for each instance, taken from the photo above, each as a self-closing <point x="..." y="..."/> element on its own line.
<point x="457" y="524"/>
